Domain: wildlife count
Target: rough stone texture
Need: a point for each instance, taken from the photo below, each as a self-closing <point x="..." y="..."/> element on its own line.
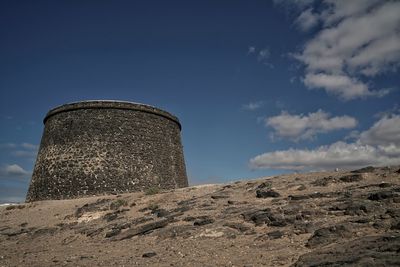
<point x="97" y="147"/>
<point x="335" y="225"/>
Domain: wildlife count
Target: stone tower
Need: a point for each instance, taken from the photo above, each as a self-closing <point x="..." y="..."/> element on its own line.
<point x="99" y="147"/>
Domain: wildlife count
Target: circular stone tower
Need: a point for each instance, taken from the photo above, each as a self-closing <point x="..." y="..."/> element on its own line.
<point x="97" y="147"/>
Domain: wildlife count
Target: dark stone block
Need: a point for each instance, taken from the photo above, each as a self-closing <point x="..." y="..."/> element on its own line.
<point x="266" y="193"/>
<point x="351" y="178"/>
<point x="149" y="254"/>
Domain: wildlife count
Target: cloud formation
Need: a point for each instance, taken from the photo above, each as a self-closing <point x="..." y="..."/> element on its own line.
<point x="379" y="145"/>
<point x="253" y="105"/>
<point x="303" y="127"/>
<point x="262" y="55"/>
<point x="307" y="20"/>
<point x="357" y="40"/>
<point x="25" y="150"/>
<point x="14" y="170"/>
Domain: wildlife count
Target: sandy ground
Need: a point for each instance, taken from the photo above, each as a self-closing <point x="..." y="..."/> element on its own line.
<point x="314" y="219"/>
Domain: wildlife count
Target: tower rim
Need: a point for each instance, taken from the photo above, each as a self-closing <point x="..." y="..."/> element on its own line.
<point x="111" y="104"/>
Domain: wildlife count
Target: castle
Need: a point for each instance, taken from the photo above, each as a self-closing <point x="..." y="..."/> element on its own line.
<point x="100" y="147"/>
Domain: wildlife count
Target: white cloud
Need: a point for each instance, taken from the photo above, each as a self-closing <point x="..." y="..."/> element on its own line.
<point x="357" y="39"/>
<point x="251" y="50"/>
<point x="25" y="153"/>
<point x="302" y="127"/>
<point x="293" y="3"/>
<point x="253" y="105"/>
<point x="8" y="145"/>
<point x="345" y="87"/>
<point x="14" y="170"/>
<point x="379" y="145"/>
<point x="29" y="146"/>
<point x="306" y="20"/>
<point x="384" y="132"/>
<point x="21" y="150"/>
<point x="264" y="54"/>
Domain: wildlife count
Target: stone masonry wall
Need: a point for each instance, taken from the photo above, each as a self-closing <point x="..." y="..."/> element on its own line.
<point x="98" y="147"/>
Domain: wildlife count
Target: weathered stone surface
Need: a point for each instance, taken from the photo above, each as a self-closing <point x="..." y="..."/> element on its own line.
<point x="327" y="235"/>
<point x="382" y="195"/>
<point x="262" y="193"/>
<point x="203" y="220"/>
<point x="382" y="250"/>
<point x="143" y="229"/>
<point x="351" y="178"/>
<point x="149" y="254"/>
<point x="275" y="234"/>
<point x="365" y="170"/>
<point x="98" y="147"/>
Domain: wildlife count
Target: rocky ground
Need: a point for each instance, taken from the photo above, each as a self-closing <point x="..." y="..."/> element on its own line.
<point x="314" y="219"/>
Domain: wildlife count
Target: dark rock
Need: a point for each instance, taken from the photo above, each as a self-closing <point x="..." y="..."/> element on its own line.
<point x="261" y="193"/>
<point x="365" y="170"/>
<point x="181" y="209"/>
<point x="258" y="217"/>
<point x="15" y="232"/>
<point x="358" y="208"/>
<point x="160" y="212"/>
<point x="238" y="226"/>
<point x="362" y="220"/>
<point x="324" y="181"/>
<point x="275" y="234"/>
<point x="44" y="231"/>
<point x="304" y="228"/>
<point x="186" y="202"/>
<point x="184" y="231"/>
<point x="118" y="203"/>
<point x="203" y="221"/>
<point x="110" y="216"/>
<point x="190" y="218"/>
<point x="113" y="232"/>
<point x="371" y="251"/>
<point x="141" y="230"/>
<point x="149" y="254"/>
<point x="265" y="216"/>
<point x="395" y="225"/>
<point x="393" y="213"/>
<point x="266" y="185"/>
<point x="89" y="207"/>
<point x="90" y="231"/>
<point x="301" y="187"/>
<point x="298" y="197"/>
<point x="330" y="234"/>
<point x="382" y="195"/>
<point x="351" y="178"/>
<point x="219" y="196"/>
<point x="385" y="185"/>
<point x="355" y="207"/>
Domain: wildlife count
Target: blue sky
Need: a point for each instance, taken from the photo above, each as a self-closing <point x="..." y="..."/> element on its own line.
<point x="260" y="87"/>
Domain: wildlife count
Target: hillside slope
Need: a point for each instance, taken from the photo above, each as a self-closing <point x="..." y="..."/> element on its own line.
<point x="314" y="219"/>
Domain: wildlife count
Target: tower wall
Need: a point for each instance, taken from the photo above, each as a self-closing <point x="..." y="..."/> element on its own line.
<point x="98" y="147"/>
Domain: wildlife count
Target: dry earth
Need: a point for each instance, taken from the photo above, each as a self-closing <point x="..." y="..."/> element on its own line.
<point x="314" y="219"/>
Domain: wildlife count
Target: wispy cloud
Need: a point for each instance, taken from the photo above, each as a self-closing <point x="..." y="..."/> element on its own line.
<point x="253" y="105"/>
<point x="251" y="50"/>
<point x="379" y="145"/>
<point x="262" y="55"/>
<point x="307" y="20"/>
<point x="12" y="171"/>
<point x="303" y="127"/>
<point x="21" y="150"/>
<point x="357" y="41"/>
